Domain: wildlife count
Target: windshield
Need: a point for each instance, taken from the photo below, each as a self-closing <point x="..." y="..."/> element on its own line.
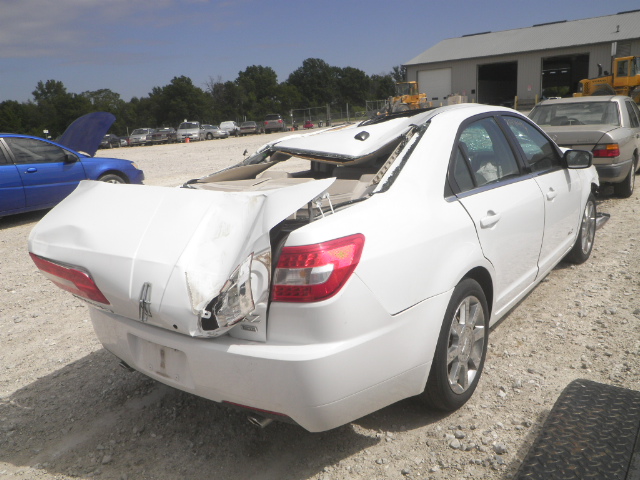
<point x="586" y="113"/>
<point x="139" y="131"/>
<point x="188" y="126"/>
<point x="406" y="89"/>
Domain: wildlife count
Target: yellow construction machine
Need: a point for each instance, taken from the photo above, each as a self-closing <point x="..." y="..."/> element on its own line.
<point x="407" y="98"/>
<point x="624" y="80"/>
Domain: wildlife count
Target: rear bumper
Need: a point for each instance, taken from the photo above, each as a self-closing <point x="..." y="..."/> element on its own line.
<point x="318" y="385"/>
<point x="614" y="173"/>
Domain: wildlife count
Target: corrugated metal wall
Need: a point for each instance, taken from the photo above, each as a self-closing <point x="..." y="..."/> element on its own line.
<point x="464" y="73"/>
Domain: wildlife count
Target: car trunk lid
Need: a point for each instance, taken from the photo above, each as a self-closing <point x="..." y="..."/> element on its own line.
<point x="191" y="261"/>
<point x="579" y="137"/>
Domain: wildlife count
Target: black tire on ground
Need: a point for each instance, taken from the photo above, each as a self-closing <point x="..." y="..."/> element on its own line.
<point x="112" y="178"/>
<point x="461" y="349"/>
<point x="581" y="250"/>
<point x="605" y="89"/>
<point x="625" y="188"/>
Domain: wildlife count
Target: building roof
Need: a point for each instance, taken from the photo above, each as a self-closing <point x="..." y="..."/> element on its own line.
<point x="619" y="27"/>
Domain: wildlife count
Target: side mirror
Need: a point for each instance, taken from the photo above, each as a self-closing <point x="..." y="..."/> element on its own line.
<point x="578" y="158"/>
<point x="70" y="158"/>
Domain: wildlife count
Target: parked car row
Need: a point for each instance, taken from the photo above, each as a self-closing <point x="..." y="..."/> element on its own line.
<point x="194" y="131"/>
<point x="191" y="130"/>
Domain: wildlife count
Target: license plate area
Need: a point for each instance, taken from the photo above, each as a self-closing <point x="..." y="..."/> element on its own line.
<point x="161" y="361"/>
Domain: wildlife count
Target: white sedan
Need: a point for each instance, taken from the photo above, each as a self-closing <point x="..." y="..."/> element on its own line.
<point x="329" y="274"/>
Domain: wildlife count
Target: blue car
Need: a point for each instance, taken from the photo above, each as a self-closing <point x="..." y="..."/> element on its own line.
<point x="36" y="173"/>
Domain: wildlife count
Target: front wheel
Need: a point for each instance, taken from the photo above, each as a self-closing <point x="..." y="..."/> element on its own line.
<point x="584" y="243"/>
<point x="461" y="349"/>
<point x="111" y="178"/>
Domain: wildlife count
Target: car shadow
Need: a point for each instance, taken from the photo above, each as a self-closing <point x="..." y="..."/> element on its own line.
<point x="92" y="418"/>
<point x="22" y="219"/>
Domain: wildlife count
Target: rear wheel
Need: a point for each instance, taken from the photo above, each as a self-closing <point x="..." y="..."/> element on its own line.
<point x="461" y="349"/>
<point x="111" y="178"/>
<point x="584" y="243"/>
<point x="625" y="188"/>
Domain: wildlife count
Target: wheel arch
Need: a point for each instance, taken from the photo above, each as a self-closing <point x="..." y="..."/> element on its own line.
<point x="483" y="277"/>
<point x="119" y="173"/>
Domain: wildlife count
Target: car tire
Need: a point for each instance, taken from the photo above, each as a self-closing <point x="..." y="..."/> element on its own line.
<point x="111" y="178"/>
<point x="461" y="349"/>
<point x="625" y="188"/>
<point x="581" y="250"/>
<point x="209" y="136"/>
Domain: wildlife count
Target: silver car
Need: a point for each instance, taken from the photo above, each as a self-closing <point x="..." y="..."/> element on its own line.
<point x="189" y="131"/>
<point x="213" y="131"/>
<point x="141" y="136"/>
<point x="608" y="126"/>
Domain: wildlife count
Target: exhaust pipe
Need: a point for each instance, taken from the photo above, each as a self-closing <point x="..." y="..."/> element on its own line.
<point x="259" y="421"/>
<point x="124" y="365"/>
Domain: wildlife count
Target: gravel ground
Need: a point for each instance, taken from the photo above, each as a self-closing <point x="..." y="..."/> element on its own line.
<point x="68" y="411"/>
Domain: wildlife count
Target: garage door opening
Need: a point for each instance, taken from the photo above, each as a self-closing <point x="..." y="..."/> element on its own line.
<point x="497" y="83"/>
<point x="560" y="75"/>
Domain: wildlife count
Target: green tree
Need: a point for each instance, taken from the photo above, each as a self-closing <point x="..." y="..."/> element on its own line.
<point x="382" y="86"/>
<point x="258" y="92"/>
<point x="56" y="108"/>
<point x="105" y="100"/>
<point x="353" y="86"/>
<point x="178" y="101"/>
<point x="399" y="73"/>
<point x="18" y="117"/>
<point x="316" y="82"/>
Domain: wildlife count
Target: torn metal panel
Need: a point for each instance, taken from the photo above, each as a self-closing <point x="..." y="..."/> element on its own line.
<point x="190" y="246"/>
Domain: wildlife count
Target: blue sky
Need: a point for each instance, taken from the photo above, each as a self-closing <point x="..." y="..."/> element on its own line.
<point x="131" y="46"/>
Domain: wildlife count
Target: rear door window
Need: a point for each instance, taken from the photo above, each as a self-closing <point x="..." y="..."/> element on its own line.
<point x="633" y="114"/>
<point x="483" y="156"/>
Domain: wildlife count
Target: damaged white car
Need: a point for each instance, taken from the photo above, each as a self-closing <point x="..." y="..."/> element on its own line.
<point x="330" y="274"/>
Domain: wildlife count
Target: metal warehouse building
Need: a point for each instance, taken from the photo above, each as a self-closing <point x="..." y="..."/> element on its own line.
<point x="545" y="60"/>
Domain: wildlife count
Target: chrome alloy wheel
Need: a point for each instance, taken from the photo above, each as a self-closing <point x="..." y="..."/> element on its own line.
<point x="466" y="344"/>
<point x="588" y="227"/>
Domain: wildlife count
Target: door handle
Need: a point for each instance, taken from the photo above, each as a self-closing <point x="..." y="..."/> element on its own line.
<point x="490" y="219"/>
<point x="31" y="170"/>
<point x="551" y="194"/>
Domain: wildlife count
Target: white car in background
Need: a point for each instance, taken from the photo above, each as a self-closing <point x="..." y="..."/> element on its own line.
<point x="320" y="294"/>
<point x="231" y="127"/>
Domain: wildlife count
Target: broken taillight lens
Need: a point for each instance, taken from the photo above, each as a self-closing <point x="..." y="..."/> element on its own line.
<point x="72" y="279"/>
<point x="310" y="273"/>
<point x="606" y="150"/>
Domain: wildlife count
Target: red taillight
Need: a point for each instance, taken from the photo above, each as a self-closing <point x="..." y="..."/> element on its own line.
<point x="280" y="121"/>
<point x="71" y="279"/>
<point x="310" y="273"/>
<point x="606" y="150"/>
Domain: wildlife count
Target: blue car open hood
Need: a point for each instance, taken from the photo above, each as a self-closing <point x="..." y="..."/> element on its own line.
<point x="85" y="133"/>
